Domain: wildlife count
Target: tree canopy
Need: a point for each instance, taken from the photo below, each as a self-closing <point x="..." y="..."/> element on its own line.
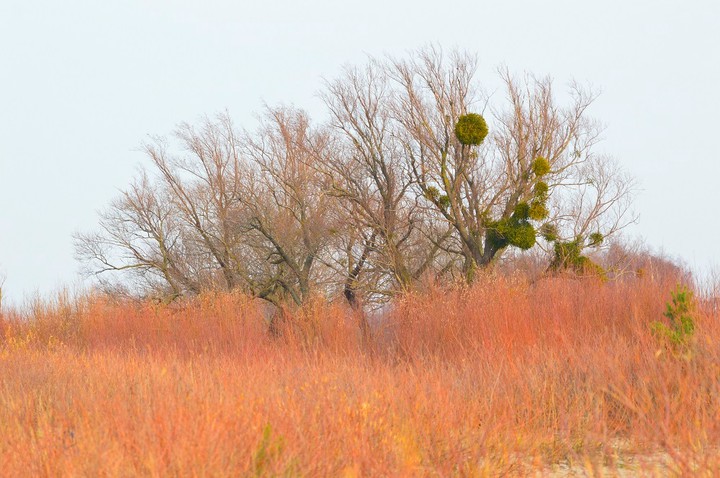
<point x="414" y="172"/>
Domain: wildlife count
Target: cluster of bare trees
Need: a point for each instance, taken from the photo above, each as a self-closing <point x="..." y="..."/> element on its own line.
<point x="415" y="172"/>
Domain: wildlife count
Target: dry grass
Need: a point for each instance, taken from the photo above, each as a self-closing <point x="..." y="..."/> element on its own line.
<point x="556" y="378"/>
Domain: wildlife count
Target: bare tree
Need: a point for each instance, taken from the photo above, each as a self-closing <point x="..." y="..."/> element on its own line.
<point x="368" y="176"/>
<point x="431" y="99"/>
<point x="496" y="193"/>
<point x="140" y="234"/>
<point x="177" y="231"/>
<point x="204" y="184"/>
<point x="288" y="210"/>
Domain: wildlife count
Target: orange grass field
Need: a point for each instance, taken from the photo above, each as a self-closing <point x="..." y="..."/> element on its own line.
<point x="557" y="378"/>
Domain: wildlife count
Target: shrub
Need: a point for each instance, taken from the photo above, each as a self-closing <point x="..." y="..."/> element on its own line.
<point x="679" y="333"/>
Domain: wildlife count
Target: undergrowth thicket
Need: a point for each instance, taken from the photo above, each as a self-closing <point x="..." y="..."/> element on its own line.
<point x="504" y="378"/>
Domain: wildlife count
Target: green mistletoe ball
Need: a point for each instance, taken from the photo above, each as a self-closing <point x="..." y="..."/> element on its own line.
<point x="471" y="129"/>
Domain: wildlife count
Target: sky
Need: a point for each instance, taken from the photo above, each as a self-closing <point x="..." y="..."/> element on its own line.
<point x="84" y="83"/>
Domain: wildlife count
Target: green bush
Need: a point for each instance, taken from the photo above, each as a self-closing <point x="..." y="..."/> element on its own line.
<point x="679" y="333"/>
<point x="567" y="255"/>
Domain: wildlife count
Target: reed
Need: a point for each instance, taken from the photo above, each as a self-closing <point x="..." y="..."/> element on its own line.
<point x="508" y="377"/>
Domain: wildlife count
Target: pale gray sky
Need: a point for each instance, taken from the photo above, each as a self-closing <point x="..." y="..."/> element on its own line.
<point x="83" y="83"/>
